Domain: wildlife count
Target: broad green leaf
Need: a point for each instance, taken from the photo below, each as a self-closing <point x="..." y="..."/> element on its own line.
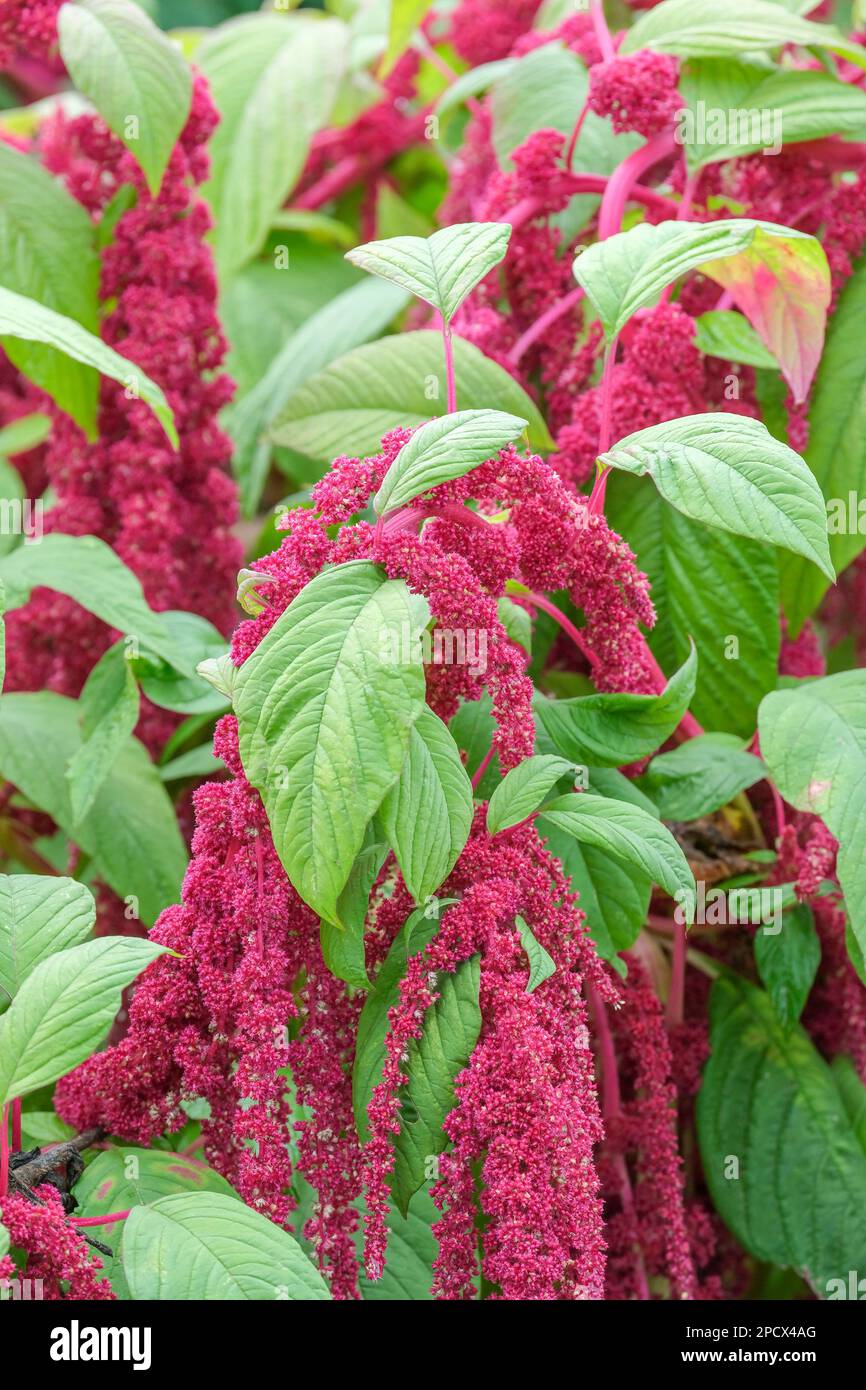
<point x="200" y="643"/>
<point x="699" y="28"/>
<point x="441" y="269"/>
<point x="729" y="472"/>
<point x="26" y="321"/>
<point x="38" y="916"/>
<point x="615" y="729"/>
<point x="351" y="318"/>
<point x="411" y="1250"/>
<point x="275" y="81"/>
<point x="131" y="830"/>
<point x="43" y="231"/>
<point x="853" y="1094"/>
<point x="137" y="79"/>
<point x="523" y="789"/>
<point x="725" y="333"/>
<point x="699" y="776"/>
<point x="416" y="933"/>
<point x="64" y="1009"/>
<point x="324" y="716"/>
<point x="121" y="1178"/>
<point x="427" y="813"/>
<point x="734" y="109"/>
<point x="109" y="704"/>
<point x="398" y="381"/>
<point x="343" y="948"/>
<point x="769" y="1101"/>
<point x="788" y="961"/>
<point x="19" y="516"/>
<point x="471" y="83"/>
<point x="24" y="433"/>
<point x="450" y="1032"/>
<point x="628" y="834"/>
<point x="448" y="447"/>
<point x="208" y="1246"/>
<point x="718" y="590"/>
<point x="88" y="571"/>
<point x="835" y="453"/>
<point x="813" y="740"/>
<point x="406" y="16"/>
<point x="614" y="895"/>
<point x="778" y="276"/>
<point x="195" y="762"/>
<point x="541" y="964"/>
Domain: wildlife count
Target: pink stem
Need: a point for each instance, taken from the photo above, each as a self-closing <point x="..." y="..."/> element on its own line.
<point x="612" y="1109"/>
<point x="676" y="994"/>
<point x="482" y="767"/>
<point x="607" y="396"/>
<point x="602" y="33"/>
<point x="99" y="1220"/>
<point x="16" y="1125"/>
<point x="4" y="1151"/>
<point x="575" y="134"/>
<point x="544" y="321"/>
<point x="623" y="179"/>
<point x="332" y="184"/>
<point x="539" y="601"/>
<point x="528" y="208"/>
<point x="450" y="380"/>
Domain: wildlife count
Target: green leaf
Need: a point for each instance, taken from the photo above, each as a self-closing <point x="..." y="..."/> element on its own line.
<point x="409" y="1257"/>
<point x="813" y="740"/>
<point x="729" y="472"/>
<point x="209" y="1246"/>
<point x="274" y="80"/>
<point x="718" y="590"/>
<point x="195" y="762"/>
<point x="451" y="1029"/>
<point x="137" y="79"/>
<point x="788" y="961"/>
<point x="517" y="623"/>
<point x="38" y="916"/>
<point x="24" y="433"/>
<point x="427" y="814"/>
<point x="699" y="28"/>
<point x="131" y="830"/>
<point x="26" y="321"/>
<point x="769" y="1101"/>
<point x="324" y="717"/>
<point x="612" y="730"/>
<point x="441" y="269"/>
<point x="64" y="1009"/>
<point x="779" y="277"/>
<point x="835" y="453"/>
<point x="398" y="381"/>
<point x="349" y="319"/>
<point x="343" y="948"/>
<point x="201" y="643"/>
<point x="541" y="964"/>
<point x="88" y="571"/>
<point x="759" y="109"/>
<point x="406" y="16"/>
<point x="523" y="789"/>
<point x="470" y="83"/>
<point x="629" y="834"/>
<point x="44" y="230"/>
<point x="473" y="727"/>
<point x="121" y="1178"/>
<point x="109" y="704"/>
<point x="700" y="776"/>
<point x="725" y="333"/>
<point x="416" y="933"/>
<point x="614" y="895"/>
<point x="447" y="447"/>
<point x="853" y="1094"/>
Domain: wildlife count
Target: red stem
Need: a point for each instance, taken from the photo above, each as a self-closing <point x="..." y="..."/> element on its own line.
<point x="622" y="181"/>
<point x="482" y="767"/>
<point x="100" y="1220"/>
<point x="544" y="321"/>
<point x="575" y="134"/>
<point x="539" y="601"/>
<point x="676" y="994"/>
<point x="451" y="383"/>
<point x="16" y="1125"/>
<point x="4" y="1151"/>
<point x="602" y="33"/>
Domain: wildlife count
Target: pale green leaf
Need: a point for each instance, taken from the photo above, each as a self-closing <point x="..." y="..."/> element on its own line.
<point x="541" y="963"/>
<point x="441" y="269"/>
<point x="523" y="789"/>
<point x="38" y="916"/>
<point x="448" y="447"/>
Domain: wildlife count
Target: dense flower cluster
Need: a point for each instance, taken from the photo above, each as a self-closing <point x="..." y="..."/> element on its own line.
<point x="638" y="92"/>
<point x="56" y="1253"/>
<point x="166" y="513"/>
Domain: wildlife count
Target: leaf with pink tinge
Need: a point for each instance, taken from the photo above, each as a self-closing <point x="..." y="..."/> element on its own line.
<point x="781" y="282"/>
